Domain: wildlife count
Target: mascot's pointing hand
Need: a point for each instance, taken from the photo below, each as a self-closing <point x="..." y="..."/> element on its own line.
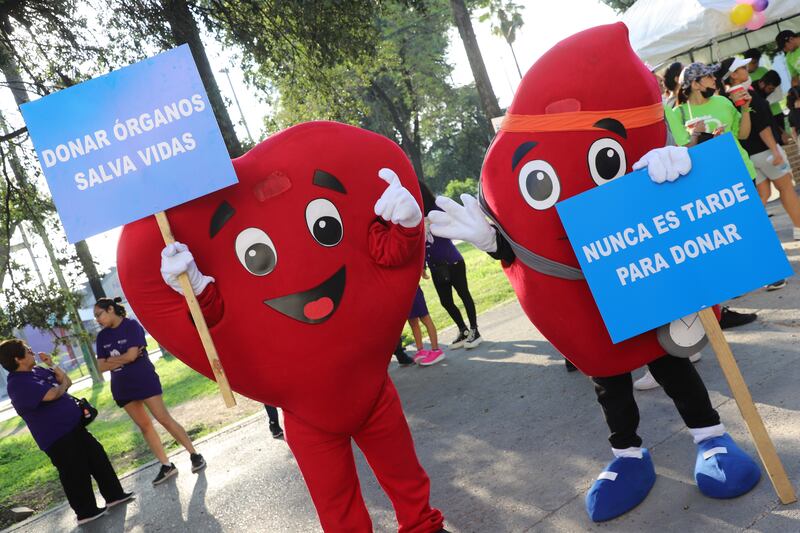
<point x="177" y="259"/>
<point x="665" y="164"/>
<point x="466" y="222"/>
<point x="396" y="204"/>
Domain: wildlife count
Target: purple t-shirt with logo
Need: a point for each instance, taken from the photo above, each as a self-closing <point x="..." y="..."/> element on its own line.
<point x="47" y="421"/>
<point x="136" y="380"/>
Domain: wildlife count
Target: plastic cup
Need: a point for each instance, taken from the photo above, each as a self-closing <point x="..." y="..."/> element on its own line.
<point x="738" y="93"/>
<point x="691" y="123"/>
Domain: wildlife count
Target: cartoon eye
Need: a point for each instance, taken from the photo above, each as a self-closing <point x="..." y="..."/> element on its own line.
<point x="539" y="184"/>
<point x="324" y="222"/>
<point x="606" y="160"/>
<point x="256" y="252"/>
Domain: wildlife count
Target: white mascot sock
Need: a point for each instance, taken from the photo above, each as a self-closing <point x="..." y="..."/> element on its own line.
<point x="701" y="434"/>
<point x="633" y="451"/>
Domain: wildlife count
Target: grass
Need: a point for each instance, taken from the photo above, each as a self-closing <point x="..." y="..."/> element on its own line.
<point x="27" y="477"/>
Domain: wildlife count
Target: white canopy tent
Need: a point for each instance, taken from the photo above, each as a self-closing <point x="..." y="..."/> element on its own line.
<point x="700" y="30"/>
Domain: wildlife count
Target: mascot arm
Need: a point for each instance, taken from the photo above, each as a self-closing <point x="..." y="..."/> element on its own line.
<point x="392" y="244"/>
<point x="212" y="305"/>
<point x="504" y="251"/>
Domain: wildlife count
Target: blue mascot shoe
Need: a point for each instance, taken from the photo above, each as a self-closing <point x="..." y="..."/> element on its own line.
<point x="623" y="485"/>
<point x="723" y="470"/>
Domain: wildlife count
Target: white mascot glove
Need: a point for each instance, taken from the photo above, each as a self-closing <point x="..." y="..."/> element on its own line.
<point x="176" y="259"/>
<point x="466" y="223"/>
<point x="396" y="204"/>
<point x="666" y="164"/>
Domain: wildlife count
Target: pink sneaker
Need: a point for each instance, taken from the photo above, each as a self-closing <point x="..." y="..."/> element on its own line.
<point x="432" y="357"/>
<point x="421" y="354"/>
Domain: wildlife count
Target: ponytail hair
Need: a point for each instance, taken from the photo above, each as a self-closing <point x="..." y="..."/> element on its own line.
<point x="106" y="303"/>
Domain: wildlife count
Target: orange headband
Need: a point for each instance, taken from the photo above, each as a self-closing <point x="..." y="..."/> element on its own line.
<point x="582" y="120"/>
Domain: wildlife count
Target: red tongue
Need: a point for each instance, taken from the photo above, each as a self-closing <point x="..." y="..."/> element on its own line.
<point x="318" y="308"/>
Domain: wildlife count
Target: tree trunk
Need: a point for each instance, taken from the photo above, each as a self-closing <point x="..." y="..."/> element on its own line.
<point x="89" y="268"/>
<point x="11" y="72"/>
<point x="488" y="100"/>
<point x="185" y="31"/>
<point x="407" y="143"/>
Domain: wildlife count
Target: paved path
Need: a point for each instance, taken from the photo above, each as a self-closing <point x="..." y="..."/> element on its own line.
<point x="511" y="442"/>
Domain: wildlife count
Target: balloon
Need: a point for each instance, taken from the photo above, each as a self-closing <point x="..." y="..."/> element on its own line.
<point x="757" y="21"/>
<point x="748" y="2"/>
<point x="760" y="5"/>
<point x="741" y="14"/>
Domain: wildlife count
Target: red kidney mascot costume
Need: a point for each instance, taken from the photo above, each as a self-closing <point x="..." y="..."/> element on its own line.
<point x="584" y="112"/>
<point x="309" y="266"/>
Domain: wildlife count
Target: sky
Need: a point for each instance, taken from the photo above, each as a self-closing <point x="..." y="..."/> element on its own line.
<point x="545" y="23"/>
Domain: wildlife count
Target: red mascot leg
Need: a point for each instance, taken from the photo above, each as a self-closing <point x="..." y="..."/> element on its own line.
<point x="387" y="444"/>
<point x="326" y="461"/>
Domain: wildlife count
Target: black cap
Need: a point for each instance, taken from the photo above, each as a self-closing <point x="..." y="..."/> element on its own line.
<point x="783" y="37"/>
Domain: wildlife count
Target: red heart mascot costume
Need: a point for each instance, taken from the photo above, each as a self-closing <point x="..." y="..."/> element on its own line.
<point x="584" y="112"/>
<point x="309" y="266"/>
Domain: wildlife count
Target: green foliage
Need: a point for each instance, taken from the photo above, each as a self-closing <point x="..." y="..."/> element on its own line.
<point x="457" y="139"/>
<point x="389" y="75"/>
<point x="506" y="18"/>
<point x="455" y="188"/>
<point x="620" y="6"/>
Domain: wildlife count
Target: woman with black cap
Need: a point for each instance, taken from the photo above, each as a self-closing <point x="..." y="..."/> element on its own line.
<point x="704" y="114"/>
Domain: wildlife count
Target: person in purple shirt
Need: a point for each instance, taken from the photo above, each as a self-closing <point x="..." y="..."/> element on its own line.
<point x="39" y="395"/>
<point x="122" y="350"/>
<point x="448" y="272"/>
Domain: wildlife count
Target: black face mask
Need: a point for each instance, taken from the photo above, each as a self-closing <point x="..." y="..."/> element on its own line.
<point x="708" y="92"/>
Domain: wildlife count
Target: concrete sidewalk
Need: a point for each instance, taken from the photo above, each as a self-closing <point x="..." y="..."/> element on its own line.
<point x="510" y="440"/>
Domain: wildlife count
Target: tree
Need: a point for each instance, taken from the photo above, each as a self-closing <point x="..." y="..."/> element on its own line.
<point x="620" y="6"/>
<point x="392" y="81"/>
<point x="35" y="20"/>
<point x="491" y="108"/>
<point x="507" y="19"/>
<point x="455" y="188"/>
<point x="168" y="23"/>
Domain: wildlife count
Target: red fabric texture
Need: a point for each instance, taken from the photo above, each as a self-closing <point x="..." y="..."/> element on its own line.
<point x="595" y="70"/>
<point x="327" y="463"/>
<point x="330" y="374"/>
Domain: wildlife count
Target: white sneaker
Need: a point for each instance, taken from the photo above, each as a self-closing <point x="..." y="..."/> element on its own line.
<point x="696" y="357"/>
<point x="646" y="382"/>
<point x="796" y="233"/>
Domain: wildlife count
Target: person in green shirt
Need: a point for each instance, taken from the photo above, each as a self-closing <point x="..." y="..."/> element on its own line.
<point x="753" y="68"/>
<point x="701" y="114"/>
<point x="789" y="43"/>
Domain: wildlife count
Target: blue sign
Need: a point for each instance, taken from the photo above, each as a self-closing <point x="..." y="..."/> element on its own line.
<point x="653" y="253"/>
<point x="126" y="145"/>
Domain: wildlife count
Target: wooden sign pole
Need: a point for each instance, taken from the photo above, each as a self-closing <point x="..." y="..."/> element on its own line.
<point x="764" y="445"/>
<point x="199" y="319"/>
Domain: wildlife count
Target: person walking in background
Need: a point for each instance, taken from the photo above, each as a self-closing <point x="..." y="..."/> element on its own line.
<point x="754" y="70"/>
<point x="274" y="422"/>
<point x="419" y="313"/>
<point x="39" y="396"/>
<point x="121" y="349"/>
<point x="448" y="272"/>
<point x="769" y="159"/>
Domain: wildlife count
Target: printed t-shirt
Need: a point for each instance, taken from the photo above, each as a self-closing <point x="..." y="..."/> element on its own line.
<point x="47" y="421"/>
<point x="136" y="380"/>
<point x="717" y="111"/>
